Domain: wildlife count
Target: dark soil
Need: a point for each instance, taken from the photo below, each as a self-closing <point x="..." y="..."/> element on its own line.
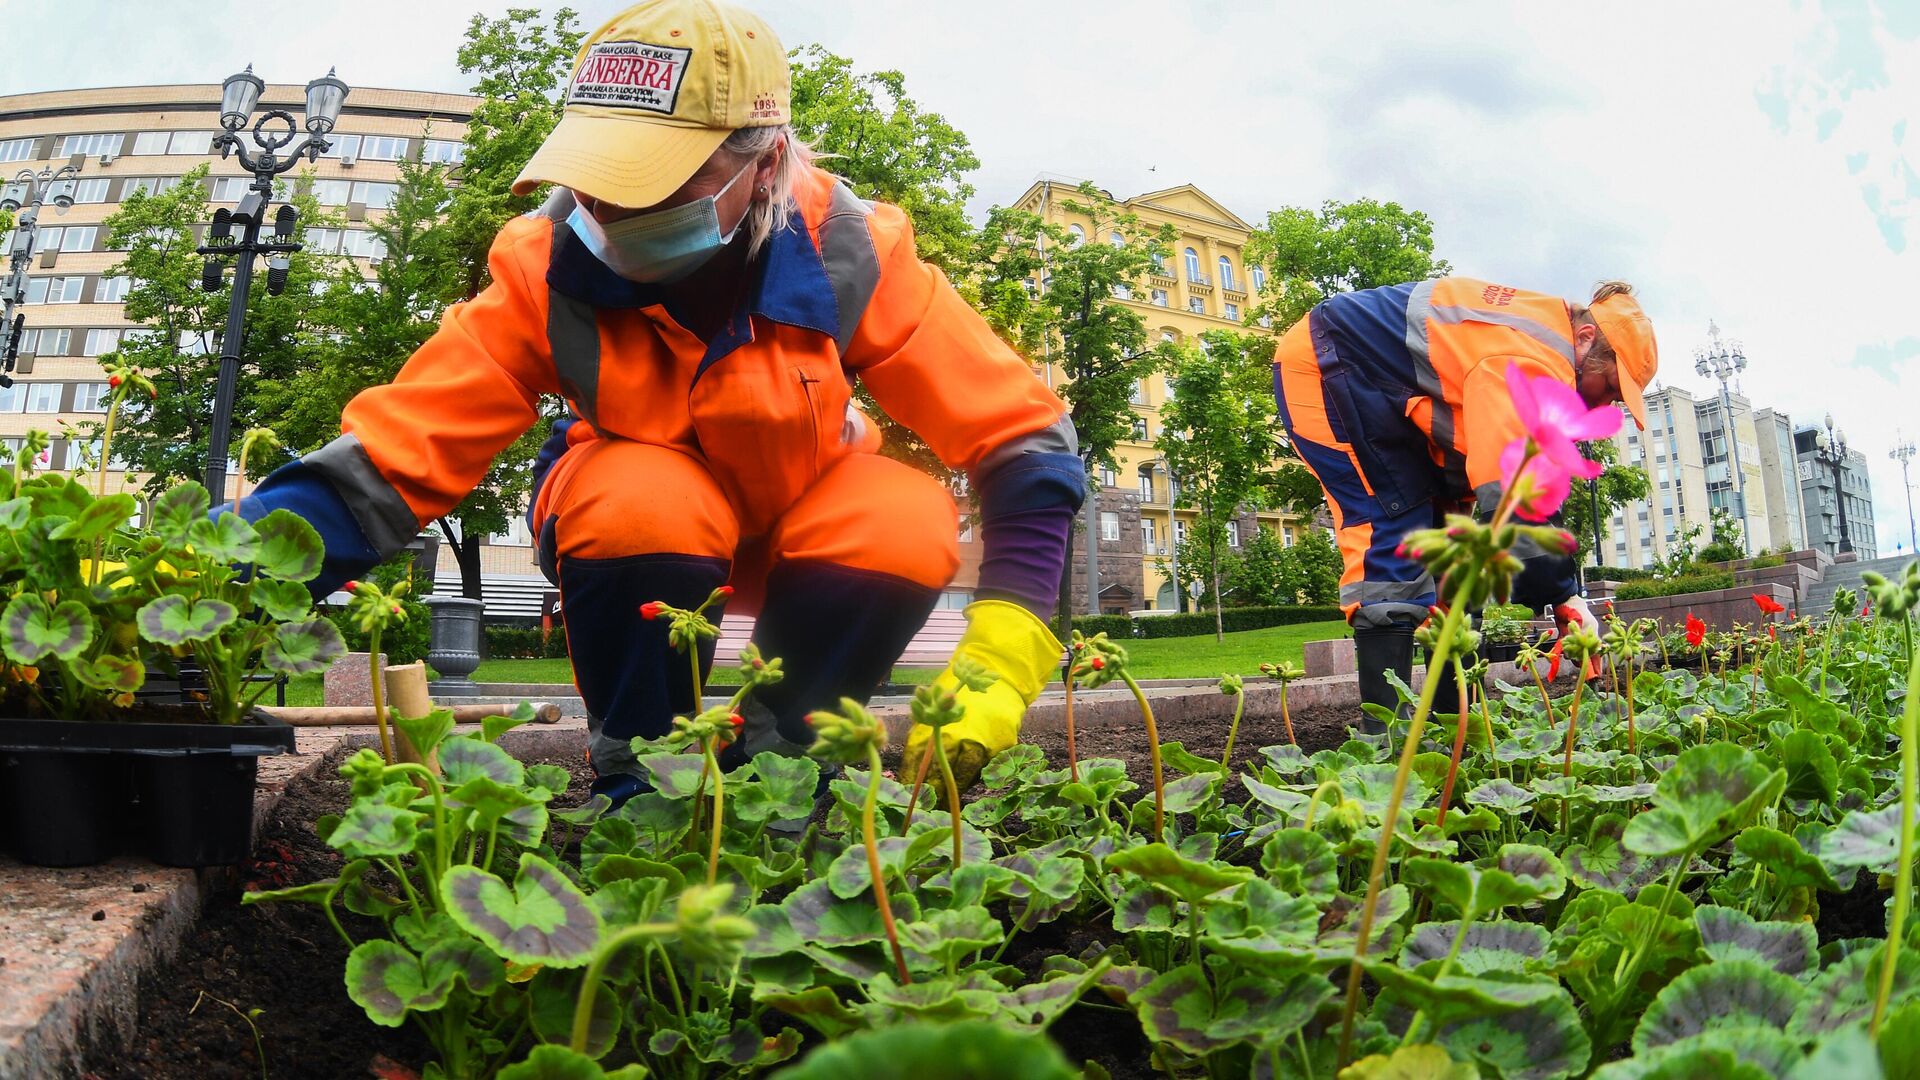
<point x="1319" y="728"/>
<point x="283" y="959"/>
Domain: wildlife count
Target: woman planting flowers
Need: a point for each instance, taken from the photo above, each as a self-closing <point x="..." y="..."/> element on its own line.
<point x="704" y="297"/>
<point x="1411" y="401"/>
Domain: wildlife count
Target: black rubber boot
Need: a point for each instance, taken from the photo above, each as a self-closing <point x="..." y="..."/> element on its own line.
<point x="1446" y="697"/>
<point x="1378" y="650"/>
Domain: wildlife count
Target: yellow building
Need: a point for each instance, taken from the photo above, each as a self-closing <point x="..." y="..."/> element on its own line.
<point x="144" y="138"/>
<point x="1203" y="285"/>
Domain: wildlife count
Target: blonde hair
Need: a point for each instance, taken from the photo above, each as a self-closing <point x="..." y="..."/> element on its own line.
<point x="1601" y="349"/>
<point x="776" y="212"/>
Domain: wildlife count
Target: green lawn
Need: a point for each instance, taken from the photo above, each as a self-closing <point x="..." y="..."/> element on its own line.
<point x="1152" y="658"/>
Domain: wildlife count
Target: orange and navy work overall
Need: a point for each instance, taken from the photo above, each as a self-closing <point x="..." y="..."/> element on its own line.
<point x="691" y="463"/>
<point x="1396" y="399"/>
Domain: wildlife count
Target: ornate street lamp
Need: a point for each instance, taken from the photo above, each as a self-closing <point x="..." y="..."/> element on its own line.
<point x="1722" y="361"/>
<point x="1903" y="454"/>
<point x="27" y="193"/>
<point x="1830" y="446"/>
<point x="275" y="152"/>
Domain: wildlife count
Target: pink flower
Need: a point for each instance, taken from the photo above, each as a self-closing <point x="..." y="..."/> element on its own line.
<point x="1556" y="422"/>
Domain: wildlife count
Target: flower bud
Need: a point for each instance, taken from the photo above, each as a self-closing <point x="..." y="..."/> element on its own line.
<point x="395" y="607"/>
<point x="1097" y="663"/>
<point x="724" y="591"/>
<point x="352" y="586"/>
<point x="651" y="610"/>
<point x="114" y="381"/>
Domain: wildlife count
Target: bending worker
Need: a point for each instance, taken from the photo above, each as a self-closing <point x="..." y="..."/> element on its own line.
<point x="1396" y="398"/>
<point x="703" y="297"/>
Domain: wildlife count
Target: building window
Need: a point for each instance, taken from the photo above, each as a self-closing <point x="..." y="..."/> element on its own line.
<point x="375" y="196"/>
<point x="1106" y="476"/>
<point x="90" y="397"/>
<point x="47" y="342"/>
<point x="1259" y="277"/>
<point x="1179" y="532"/>
<point x="364" y="244"/>
<point x="1196" y="305"/>
<point x="1226" y="273"/>
<point x="101" y="341"/>
<point x="91" y="191"/>
<point x="1286" y="540"/>
<point x="148" y="185"/>
<point x="100" y="142"/>
<point x="1232" y="311"/>
<point x="1122" y="292"/>
<point x="966" y="529"/>
<point x="342" y="146"/>
<point x="54" y="290"/>
<point x="79" y="238"/>
<point x="1193" y="266"/>
<point x="230" y="188"/>
<point x="151" y="142"/>
<point x="1109" y="525"/>
<point x="17" y="149"/>
<point x="13" y="398"/>
<point x="1159" y="298"/>
<point x="1160" y="264"/>
<point x="43" y="397"/>
<point x="1139" y="394"/>
<point x="443" y="151"/>
<point x="190" y="143"/>
<point x="1149" y="536"/>
<point x="1140" y="429"/>
<point x="1265" y="321"/>
<point x="1146" y="487"/>
<point x="1116" y="240"/>
<point x="382" y="148"/>
<point x="111" y="290"/>
<point x="1075" y="234"/>
<point x="1233" y="537"/>
<point x="332" y="192"/>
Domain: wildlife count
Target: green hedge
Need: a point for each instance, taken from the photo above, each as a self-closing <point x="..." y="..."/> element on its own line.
<point x="1233" y="620"/>
<point x="524" y="643"/>
<point x="1675" y="586"/>
<point x="1618" y="573"/>
<point x="1114" y="626"/>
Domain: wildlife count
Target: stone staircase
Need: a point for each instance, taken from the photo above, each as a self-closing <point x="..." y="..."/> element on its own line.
<point x="1846" y="575"/>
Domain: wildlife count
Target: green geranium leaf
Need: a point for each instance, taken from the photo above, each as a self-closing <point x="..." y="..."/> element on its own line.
<point x="492" y="727"/>
<point x="821" y="918"/>
<point x="555" y="995"/>
<point x="1489" y="946"/>
<point x="946" y="936"/>
<point x="463" y="757"/>
<point x="177" y="620"/>
<point x="1182" y="1008"/>
<point x="283" y="601"/>
<point x="1869" y="839"/>
<point x="1790" y="948"/>
<point x="781" y="790"/>
<point x="177" y="510"/>
<point x="1785" y="858"/>
<point x="1602" y="863"/>
<point x="1454" y="998"/>
<point x="372" y="829"/>
<point x="35" y="629"/>
<point x="1475" y="891"/>
<point x="677" y="776"/>
<point x="1709" y="792"/>
<point x="542" y="919"/>
<point x="1013" y="765"/>
<point x="1189" y="793"/>
<point x="1301" y="862"/>
<point x="1543" y="1041"/>
<point x="99" y="519"/>
<point x="1534" y="868"/>
<point x="288" y="548"/>
<point x="111" y="674"/>
<point x="550" y="1062"/>
<point x="1164" y="868"/>
<point x="1502" y="795"/>
<point x="13" y="514"/>
<point x="1727" y="994"/>
<point x="1843" y="994"/>
<point x="1372" y="787"/>
<point x="301" y="648"/>
<point x="225" y="539"/>
<point x="424" y="733"/>
<point x="963" y="1050"/>
<point x="1812" y="772"/>
<point x="1740" y="1053"/>
<point x="389" y="982"/>
<point x="1266" y="929"/>
<point x="489" y="800"/>
<point x="1423" y="1062"/>
<point x="659" y="822"/>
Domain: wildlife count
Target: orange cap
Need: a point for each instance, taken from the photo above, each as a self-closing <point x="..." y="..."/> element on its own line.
<point x="1636" y="354"/>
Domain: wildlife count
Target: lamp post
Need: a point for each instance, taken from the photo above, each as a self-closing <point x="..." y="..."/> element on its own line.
<point x="1903" y="453"/>
<point x="1722" y="361"/>
<point x="27" y="193"/>
<point x="1830" y="446"/>
<point x="276" y="153"/>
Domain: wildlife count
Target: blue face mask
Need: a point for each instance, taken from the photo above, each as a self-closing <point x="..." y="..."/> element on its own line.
<point x="660" y="247"/>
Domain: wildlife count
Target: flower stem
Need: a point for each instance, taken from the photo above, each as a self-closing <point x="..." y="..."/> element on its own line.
<point x="1459" y="744"/>
<point x="953" y="793"/>
<point x="1286" y="717"/>
<point x="1443" y="648"/>
<point x="719" y="808"/>
<point x="1073" y="756"/>
<point x="583" y="1006"/>
<point x="1153" y="746"/>
<point x="880" y="898"/>
<point x="378" y="678"/>
<point x="1239" y="706"/>
<point x="1573" y="720"/>
<point x="1903" y="876"/>
<point x="919" y="782"/>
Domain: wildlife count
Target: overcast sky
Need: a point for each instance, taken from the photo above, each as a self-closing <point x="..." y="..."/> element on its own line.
<point x="1743" y="162"/>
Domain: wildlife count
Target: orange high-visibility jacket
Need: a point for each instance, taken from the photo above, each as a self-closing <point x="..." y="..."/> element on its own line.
<point x="766" y="404"/>
<point x="1436" y="352"/>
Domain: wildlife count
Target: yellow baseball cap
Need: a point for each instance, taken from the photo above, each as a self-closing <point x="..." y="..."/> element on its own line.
<point x="1636" y="354"/>
<point x="655" y="90"/>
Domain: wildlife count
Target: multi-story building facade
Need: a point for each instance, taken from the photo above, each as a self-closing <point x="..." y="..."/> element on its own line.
<point x="144" y="138"/>
<point x="1821" y="503"/>
<point x="1669" y="450"/>
<point x="1204" y="284"/>
<point x="1735" y="483"/>
<point x="1779" y="472"/>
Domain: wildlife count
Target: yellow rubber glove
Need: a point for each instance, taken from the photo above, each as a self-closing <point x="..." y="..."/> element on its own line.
<point x="1012" y="643"/>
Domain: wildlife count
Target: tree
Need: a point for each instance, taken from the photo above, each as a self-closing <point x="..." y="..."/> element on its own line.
<point x="1618" y="486"/>
<point x="1308" y="256"/>
<point x="1220" y="434"/>
<point x="1262" y="575"/>
<point x="177" y="340"/>
<point x="1316" y="563"/>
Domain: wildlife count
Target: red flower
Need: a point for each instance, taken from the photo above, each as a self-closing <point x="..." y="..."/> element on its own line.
<point x="1553" y="670"/>
<point x="1609" y="608"/>
<point x="1771" y="635"/>
<point x="725" y="591"/>
<point x="396" y="608"/>
<point x="351" y="586"/>
<point x="1696" y="631"/>
<point x="737" y="720"/>
<point x="114" y="381"/>
<point x="1096" y="663"/>
<point x="651" y="610"/>
<point x="1866" y="610"/>
<point x="1768" y="604"/>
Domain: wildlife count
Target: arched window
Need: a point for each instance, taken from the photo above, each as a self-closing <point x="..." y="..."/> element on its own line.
<point x="1116" y="239"/>
<point x="1193" y="265"/>
<point x="1259" y="277"/>
<point x="1226" y="273"/>
<point x="1077" y="233"/>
